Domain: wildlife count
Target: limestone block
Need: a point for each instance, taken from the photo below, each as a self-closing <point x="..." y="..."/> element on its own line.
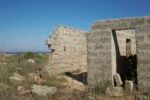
<point x="118" y="79"/>
<point x="128" y="86"/>
<point x="43" y="90"/>
<point x="16" y="79"/>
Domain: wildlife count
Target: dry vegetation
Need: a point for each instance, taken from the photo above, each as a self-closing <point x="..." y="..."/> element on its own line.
<point x="15" y="63"/>
<point x="10" y="64"/>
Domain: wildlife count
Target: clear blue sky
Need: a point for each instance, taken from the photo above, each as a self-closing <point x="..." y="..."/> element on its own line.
<point x="25" y="24"/>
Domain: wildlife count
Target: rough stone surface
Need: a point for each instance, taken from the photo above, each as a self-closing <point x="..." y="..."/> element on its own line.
<point x="128" y="86"/>
<point x="16" y="79"/>
<point x="100" y="55"/>
<point x="114" y="91"/>
<point x="43" y="90"/>
<point x="117" y="79"/>
<point x="73" y="84"/>
<point x="69" y="50"/>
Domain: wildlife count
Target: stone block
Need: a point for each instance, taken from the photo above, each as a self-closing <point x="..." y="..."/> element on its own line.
<point x="140" y="38"/>
<point x="43" y="90"/>
<point x="114" y="91"/>
<point x="70" y="47"/>
<point x="117" y="79"/>
<point x="128" y="86"/>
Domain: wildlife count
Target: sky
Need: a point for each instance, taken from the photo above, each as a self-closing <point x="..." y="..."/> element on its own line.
<point x="26" y="24"/>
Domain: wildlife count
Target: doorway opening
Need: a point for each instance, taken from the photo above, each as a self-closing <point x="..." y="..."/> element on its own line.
<point x="124" y="58"/>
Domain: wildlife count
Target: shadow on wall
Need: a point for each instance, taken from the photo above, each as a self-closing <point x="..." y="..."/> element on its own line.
<point x="126" y="66"/>
<point x="82" y="77"/>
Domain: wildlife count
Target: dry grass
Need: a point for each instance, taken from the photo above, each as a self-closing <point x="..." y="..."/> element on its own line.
<point x="8" y="91"/>
<point x="13" y="63"/>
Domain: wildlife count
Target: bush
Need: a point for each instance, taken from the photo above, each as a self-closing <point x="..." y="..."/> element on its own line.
<point x="28" y="55"/>
<point x="100" y="87"/>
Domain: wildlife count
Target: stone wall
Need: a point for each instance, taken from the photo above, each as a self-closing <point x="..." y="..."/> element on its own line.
<point x="99" y="56"/>
<point x="75" y="50"/>
<point x="122" y="35"/>
<point x="100" y="49"/>
<point x="143" y="54"/>
<point x="69" y="51"/>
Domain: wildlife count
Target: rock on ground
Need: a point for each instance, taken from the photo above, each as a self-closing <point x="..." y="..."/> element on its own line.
<point x="118" y="79"/>
<point x="36" y="78"/>
<point x="114" y="91"/>
<point x="22" y="90"/>
<point x="16" y="79"/>
<point x="31" y="61"/>
<point x="73" y="84"/>
<point x="128" y="86"/>
<point x="43" y="90"/>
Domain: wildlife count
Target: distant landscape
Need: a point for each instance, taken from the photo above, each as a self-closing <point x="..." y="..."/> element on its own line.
<point x="21" y="52"/>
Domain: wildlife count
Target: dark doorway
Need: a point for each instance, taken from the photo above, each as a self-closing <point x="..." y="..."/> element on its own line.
<point x="126" y="64"/>
<point x="81" y="77"/>
<point x="128" y="47"/>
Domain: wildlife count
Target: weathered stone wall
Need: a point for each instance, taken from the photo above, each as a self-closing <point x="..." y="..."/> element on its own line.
<point x="99" y="49"/>
<point x="99" y="56"/>
<point x="143" y="54"/>
<point x="70" y="50"/>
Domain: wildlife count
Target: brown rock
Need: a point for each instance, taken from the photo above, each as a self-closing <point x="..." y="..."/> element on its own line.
<point x="16" y="79"/>
<point x="36" y="78"/>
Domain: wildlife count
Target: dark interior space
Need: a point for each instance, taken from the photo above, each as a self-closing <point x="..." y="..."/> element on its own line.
<point x="82" y="77"/>
<point x="126" y="65"/>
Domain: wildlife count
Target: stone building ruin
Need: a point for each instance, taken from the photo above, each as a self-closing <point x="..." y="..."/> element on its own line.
<point x="112" y="46"/>
<point x="69" y="51"/>
<point x="107" y="50"/>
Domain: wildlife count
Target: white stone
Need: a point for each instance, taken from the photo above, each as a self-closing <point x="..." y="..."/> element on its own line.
<point x="31" y="61"/>
<point x="118" y="79"/>
<point x="16" y="79"/>
<point x="128" y="86"/>
<point x="43" y="90"/>
<point x="114" y="91"/>
<point x="19" y="88"/>
<point x="18" y="75"/>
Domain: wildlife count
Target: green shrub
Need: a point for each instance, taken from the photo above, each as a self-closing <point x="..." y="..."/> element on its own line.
<point x="100" y="87"/>
<point x="28" y="55"/>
